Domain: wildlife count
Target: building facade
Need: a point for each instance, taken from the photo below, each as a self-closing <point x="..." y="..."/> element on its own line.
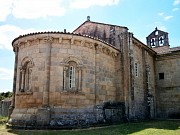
<point x="99" y="73"/>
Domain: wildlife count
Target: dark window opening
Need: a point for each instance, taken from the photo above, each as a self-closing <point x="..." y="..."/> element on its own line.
<point x="136" y="69"/>
<point x="161" y="41"/>
<point x="161" y="76"/>
<point x="153" y="42"/>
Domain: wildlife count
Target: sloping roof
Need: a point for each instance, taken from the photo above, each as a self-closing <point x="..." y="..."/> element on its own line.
<point x="145" y="46"/>
<point x="156" y="29"/>
<point x="168" y="50"/>
<point x="175" y="49"/>
<point x="88" y="21"/>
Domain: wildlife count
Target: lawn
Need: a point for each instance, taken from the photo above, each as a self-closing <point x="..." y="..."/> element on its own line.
<point x="155" y="127"/>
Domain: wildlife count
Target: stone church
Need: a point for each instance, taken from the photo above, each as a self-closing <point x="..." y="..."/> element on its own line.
<point x="100" y="73"/>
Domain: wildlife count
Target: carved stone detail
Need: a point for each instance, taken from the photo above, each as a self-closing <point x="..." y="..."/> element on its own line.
<point x="25" y="75"/>
<point x="48" y="39"/>
<point x="101" y="45"/>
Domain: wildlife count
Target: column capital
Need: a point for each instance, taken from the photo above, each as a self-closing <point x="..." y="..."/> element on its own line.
<point x="48" y="39"/>
<point x="65" y="68"/>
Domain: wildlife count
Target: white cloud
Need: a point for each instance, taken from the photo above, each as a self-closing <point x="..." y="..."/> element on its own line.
<point x="161" y="13"/>
<point x="6" y="74"/>
<point x="175" y="9"/>
<point x="90" y="3"/>
<point x="168" y="17"/>
<point x="176" y="2"/>
<point x="5" y="9"/>
<point x="9" y="32"/>
<point x="31" y="9"/>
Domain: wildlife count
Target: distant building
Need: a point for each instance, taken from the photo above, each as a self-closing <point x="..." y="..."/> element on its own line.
<point x="98" y="73"/>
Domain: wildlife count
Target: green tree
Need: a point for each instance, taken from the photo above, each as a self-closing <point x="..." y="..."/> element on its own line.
<point x="5" y="95"/>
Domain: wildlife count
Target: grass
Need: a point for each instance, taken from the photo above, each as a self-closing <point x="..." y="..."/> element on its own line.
<point x="139" y="128"/>
<point x="3" y="120"/>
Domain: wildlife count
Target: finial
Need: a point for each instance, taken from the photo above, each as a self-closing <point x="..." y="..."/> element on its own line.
<point x="88" y="18"/>
<point x="156" y="28"/>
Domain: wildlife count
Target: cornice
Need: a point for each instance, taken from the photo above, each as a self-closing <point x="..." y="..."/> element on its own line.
<point x="65" y="38"/>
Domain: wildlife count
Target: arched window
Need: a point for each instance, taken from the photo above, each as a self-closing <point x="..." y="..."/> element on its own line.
<point x="161" y="41"/>
<point x="153" y="42"/>
<point x="136" y="69"/>
<point x="72" y="75"/>
<point x="25" y="75"/>
<point x="156" y="32"/>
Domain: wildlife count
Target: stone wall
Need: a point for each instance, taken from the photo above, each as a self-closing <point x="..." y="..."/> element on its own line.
<point x="105" y="113"/>
<point x="113" y="78"/>
<point x="42" y="88"/>
<point x="97" y="72"/>
<point x="106" y="32"/>
<point x="161" y="49"/>
<point x="59" y="118"/>
<point x="120" y="38"/>
<point x="4" y="107"/>
<point x="168" y="88"/>
<point x="142" y="82"/>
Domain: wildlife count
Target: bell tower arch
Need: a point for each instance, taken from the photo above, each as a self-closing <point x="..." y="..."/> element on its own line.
<point x="157" y="38"/>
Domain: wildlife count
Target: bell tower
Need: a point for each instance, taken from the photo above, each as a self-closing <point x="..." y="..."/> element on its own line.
<point x="158" y="38"/>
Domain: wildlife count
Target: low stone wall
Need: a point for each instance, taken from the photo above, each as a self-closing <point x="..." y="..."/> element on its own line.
<point x="168" y="103"/>
<point x="4" y="107"/>
<point x="60" y="118"/>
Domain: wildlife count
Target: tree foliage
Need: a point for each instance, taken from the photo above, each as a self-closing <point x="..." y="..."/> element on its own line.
<point x="5" y="95"/>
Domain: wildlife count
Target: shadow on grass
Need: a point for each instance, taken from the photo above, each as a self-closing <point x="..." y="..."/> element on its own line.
<point x="124" y="129"/>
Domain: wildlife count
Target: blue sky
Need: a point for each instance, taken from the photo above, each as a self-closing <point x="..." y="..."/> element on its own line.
<point x="18" y="17"/>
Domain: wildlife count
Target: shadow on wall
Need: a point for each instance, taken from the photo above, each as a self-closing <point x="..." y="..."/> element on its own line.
<point x="174" y="115"/>
<point x="60" y="118"/>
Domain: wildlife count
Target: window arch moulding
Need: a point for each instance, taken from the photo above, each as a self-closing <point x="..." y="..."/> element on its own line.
<point x="25" y="75"/>
<point x="72" y="74"/>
